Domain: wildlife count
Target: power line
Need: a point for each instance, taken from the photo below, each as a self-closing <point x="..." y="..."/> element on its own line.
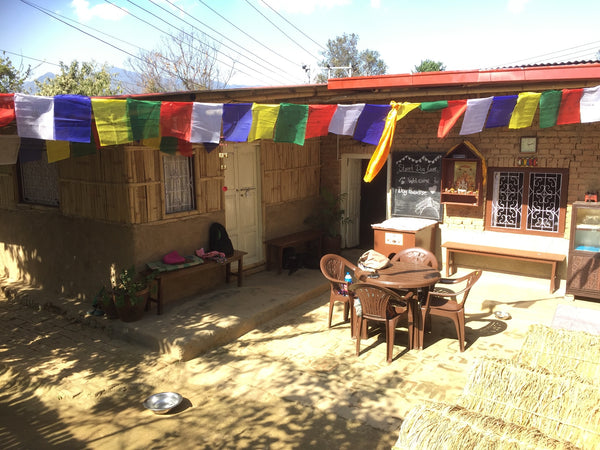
<point x="246" y="34"/>
<point x="29" y="57"/>
<point x="558" y="54"/>
<point x="173" y="37"/>
<point x="282" y="32"/>
<point x="303" y="33"/>
<point x="182" y="31"/>
<point x="45" y="11"/>
<point x="220" y="34"/>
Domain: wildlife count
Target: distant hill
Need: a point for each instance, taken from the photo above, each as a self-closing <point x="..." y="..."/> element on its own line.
<point x="126" y="78"/>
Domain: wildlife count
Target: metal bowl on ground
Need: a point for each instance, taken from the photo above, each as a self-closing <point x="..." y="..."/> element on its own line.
<point x="163" y="402"/>
<point x="502" y="315"/>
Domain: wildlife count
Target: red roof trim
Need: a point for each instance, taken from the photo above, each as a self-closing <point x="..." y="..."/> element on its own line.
<point x="452" y="78"/>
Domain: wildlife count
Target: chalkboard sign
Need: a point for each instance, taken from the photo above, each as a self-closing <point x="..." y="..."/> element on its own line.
<point x="416" y="178"/>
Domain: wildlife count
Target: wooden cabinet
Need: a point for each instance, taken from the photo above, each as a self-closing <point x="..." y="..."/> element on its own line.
<point x="583" y="277"/>
<point x="461" y="177"/>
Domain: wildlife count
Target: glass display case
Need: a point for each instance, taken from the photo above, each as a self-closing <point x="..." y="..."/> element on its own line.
<point x="583" y="276"/>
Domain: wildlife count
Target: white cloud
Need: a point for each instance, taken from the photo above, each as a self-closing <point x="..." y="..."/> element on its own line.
<point x="306" y="6"/>
<point x="85" y="13"/>
<point x="517" y="6"/>
<point x="375" y="4"/>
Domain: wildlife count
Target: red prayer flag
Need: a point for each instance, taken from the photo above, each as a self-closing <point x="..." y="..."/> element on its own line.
<point x="185" y="148"/>
<point x="176" y="119"/>
<point x="7" y="109"/>
<point x="450" y="116"/>
<point x="569" y="107"/>
<point x="319" y="117"/>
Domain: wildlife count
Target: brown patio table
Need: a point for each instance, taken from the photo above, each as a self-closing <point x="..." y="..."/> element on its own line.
<point x="406" y="275"/>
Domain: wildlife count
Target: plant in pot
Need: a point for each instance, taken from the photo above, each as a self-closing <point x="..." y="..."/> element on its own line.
<point x="130" y="294"/>
<point x="328" y="217"/>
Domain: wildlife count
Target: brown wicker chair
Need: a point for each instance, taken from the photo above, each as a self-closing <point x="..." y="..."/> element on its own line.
<point x="417" y="254"/>
<point x="334" y="268"/>
<point x="451" y="304"/>
<point x="380" y="304"/>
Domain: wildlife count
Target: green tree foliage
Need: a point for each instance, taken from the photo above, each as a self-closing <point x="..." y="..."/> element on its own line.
<point x="82" y="79"/>
<point x="343" y="52"/>
<point x="428" y="65"/>
<point x="11" y="78"/>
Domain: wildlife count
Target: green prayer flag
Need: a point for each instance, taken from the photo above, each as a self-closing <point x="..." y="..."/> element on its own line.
<point x="84" y="148"/>
<point x="169" y="144"/>
<point x="291" y="123"/>
<point x="144" y="117"/>
<point x="549" y="106"/>
<point x="434" y="106"/>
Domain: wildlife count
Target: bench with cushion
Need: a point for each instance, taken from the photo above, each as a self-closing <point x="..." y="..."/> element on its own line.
<point x="485" y="250"/>
<point x="172" y="282"/>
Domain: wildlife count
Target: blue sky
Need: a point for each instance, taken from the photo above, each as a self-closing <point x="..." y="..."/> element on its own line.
<point x="462" y="34"/>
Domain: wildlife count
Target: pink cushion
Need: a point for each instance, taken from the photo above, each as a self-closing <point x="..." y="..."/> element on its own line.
<point x="173" y="258"/>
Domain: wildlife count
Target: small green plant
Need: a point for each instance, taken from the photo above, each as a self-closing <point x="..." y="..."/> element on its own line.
<point x="329" y="214"/>
<point x="128" y="286"/>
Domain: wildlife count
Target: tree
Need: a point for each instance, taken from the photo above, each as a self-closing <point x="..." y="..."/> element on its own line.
<point x="11" y="78"/>
<point x="428" y="65"/>
<point x="343" y="52"/>
<point x="85" y="79"/>
<point x="185" y="62"/>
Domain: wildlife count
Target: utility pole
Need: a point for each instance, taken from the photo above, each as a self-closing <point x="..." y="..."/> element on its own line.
<point x="307" y="70"/>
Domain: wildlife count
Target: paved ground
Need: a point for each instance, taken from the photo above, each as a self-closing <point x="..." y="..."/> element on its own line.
<point x="289" y="383"/>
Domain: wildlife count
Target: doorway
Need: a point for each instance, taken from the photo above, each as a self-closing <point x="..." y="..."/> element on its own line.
<point x="366" y="203"/>
<point x="242" y="199"/>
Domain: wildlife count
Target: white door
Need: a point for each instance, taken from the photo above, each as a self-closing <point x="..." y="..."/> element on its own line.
<point x="242" y="199"/>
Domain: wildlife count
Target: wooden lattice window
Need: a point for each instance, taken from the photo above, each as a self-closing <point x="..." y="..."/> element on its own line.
<point x="39" y="182"/>
<point x="179" y="183"/>
<point x="527" y="200"/>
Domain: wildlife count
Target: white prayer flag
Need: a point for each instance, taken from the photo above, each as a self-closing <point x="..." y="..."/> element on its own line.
<point x="475" y="115"/>
<point x="589" y="105"/>
<point x="206" y="122"/>
<point x="344" y="119"/>
<point x="35" y="116"/>
<point x="9" y="149"/>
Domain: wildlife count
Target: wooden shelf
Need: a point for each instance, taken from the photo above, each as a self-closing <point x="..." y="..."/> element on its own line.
<point x="461" y="169"/>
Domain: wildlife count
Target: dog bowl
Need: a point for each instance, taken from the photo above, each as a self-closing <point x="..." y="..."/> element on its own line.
<point x="502" y="315"/>
<point x="162" y="402"/>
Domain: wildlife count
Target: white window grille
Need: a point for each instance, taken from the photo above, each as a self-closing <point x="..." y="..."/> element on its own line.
<point x="179" y="183"/>
<point x="39" y="182"/>
<point x="527" y="200"/>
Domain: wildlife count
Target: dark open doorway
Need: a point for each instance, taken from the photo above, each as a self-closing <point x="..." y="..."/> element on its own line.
<point x="372" y="204"/>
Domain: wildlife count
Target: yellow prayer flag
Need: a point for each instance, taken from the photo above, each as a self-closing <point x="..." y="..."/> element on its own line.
<point x="58" y="150"/>
<point x="152" y="142"/>
<point x="405" y="108"/>
<point x="112" y="121"/>
<point x="264" y="118"/>
<point x="398" y="111"/>
<point x="524" y="111"/>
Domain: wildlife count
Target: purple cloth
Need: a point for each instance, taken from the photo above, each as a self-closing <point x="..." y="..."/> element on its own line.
<point x="237" y="120"/>
<point x="370" y="123"/>
<point x="72" y="118"/>
<point x="30" y="150"/>
<point x="501" y="111"/>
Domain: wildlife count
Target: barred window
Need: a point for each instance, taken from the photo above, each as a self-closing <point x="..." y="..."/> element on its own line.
<point x="527" y="200"/>
<point x="39" y="182"/>
<point x="179" y="183"/>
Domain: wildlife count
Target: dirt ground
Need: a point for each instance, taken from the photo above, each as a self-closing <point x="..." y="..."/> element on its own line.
<point x="66" y="385"/>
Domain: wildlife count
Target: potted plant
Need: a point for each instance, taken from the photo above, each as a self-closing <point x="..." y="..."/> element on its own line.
<point x="328" y="218"/>
<point x="103" y="301"/>
<point x="130" y="294"/>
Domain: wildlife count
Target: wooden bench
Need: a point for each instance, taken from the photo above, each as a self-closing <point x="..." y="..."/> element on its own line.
<point x="189" y="279"/>
<point x="523" y="255"/>
<point x="277" y="245"/>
